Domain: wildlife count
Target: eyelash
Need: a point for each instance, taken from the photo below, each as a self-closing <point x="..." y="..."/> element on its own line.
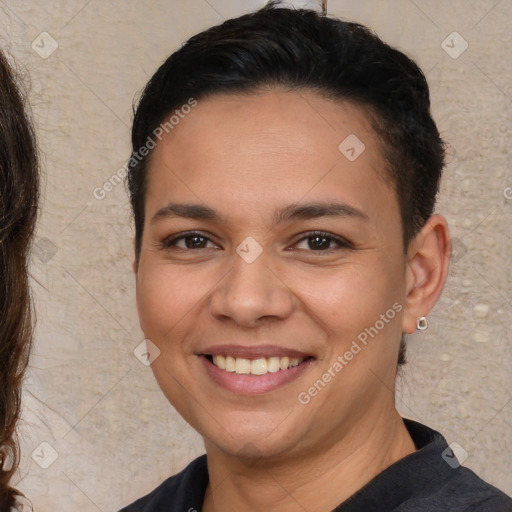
<point x="342" y="243"/>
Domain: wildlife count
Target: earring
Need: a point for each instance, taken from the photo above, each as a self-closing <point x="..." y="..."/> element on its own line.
<point x="422" y="323"/>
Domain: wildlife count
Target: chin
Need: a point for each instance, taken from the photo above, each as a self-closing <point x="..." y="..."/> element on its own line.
<point x="253" y="439"/>
<point x="249" y="450"/>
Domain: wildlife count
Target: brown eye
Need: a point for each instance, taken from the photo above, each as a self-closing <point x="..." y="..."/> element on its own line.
<point x="322" y="242"/>
<point x="191" y="240"/>
<point x="319" y="242"/>
<point x="194" y="242"/>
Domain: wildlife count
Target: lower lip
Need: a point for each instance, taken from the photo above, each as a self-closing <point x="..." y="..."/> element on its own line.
<point x="253" y="384"/>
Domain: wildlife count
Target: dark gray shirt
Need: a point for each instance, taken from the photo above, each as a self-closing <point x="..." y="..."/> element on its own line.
<point x="428" y="480"/>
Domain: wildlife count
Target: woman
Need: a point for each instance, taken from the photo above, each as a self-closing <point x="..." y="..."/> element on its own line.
<point x="283" y="180"/>
<point x="18" y="210"/>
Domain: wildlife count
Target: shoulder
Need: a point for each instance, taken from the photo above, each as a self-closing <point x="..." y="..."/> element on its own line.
<point x="431" y="478"/>
<point x="183" y="491"/>
<point x="444" y="484"/>
<point x="465" y="491"/>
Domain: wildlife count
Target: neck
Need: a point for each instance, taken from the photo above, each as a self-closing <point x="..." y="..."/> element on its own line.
<point x="317" y="480"/>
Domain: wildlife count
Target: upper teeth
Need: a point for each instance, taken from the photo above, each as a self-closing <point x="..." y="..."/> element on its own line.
<point x="255" y="366"/>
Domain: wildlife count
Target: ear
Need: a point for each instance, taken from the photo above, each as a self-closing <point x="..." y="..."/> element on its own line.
<point x="428" y="259"/>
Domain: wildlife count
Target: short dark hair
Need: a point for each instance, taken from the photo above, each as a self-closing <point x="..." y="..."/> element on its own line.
<point x="300" y="49"/>
<point x="19" y="193"/>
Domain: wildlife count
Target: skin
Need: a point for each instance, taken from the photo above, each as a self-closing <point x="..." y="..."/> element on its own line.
<point x="247" y="157"/>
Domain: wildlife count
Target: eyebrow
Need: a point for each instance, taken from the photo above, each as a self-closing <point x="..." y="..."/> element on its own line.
<point x="291" y="212"/>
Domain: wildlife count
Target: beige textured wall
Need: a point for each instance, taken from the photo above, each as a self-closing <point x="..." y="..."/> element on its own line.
<point x="88" y="399"/>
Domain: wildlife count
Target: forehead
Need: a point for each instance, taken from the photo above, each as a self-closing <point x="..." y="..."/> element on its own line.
<point x="269" y="146"/>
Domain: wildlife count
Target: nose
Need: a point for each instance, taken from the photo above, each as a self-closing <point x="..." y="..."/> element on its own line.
<point x="251" y="292"/>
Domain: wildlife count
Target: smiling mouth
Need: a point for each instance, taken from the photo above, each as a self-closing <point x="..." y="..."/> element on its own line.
<point x="259" y="366"/>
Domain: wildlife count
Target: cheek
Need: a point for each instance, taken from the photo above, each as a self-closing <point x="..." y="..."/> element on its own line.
<point x="348" y="304"/>
<point x="348" y="298"/>
<point x="166" y="299"/>
<point x="169" y="298"/>
<point x="162" y="299"/>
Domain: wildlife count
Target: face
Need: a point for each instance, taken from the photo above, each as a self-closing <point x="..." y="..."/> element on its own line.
<point x="271" y="275"/>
